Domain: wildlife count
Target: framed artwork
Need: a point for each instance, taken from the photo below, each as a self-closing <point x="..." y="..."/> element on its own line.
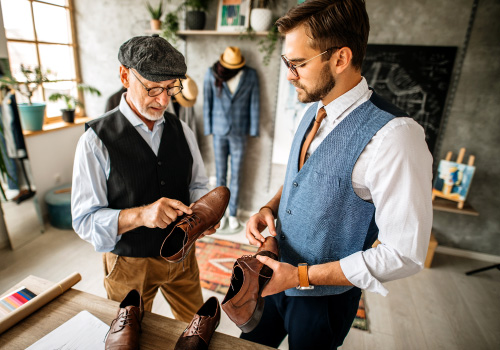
<point x="453" y="180"/>
<point x="233" y="15"/>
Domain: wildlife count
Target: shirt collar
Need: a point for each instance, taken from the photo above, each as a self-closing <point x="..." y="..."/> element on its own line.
<point x="338" y="106"/>
<point x="132" y="116"/>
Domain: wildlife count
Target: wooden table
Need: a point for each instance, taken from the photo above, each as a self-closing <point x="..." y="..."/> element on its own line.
<point x="158" y="332"/>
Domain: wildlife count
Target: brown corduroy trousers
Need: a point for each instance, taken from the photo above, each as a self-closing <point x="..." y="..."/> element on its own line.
<point x="178" y="282"/>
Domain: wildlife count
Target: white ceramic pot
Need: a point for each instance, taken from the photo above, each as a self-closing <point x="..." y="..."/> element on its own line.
<point x="261" y="19"/>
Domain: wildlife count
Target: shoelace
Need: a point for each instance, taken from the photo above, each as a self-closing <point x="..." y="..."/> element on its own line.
<point x="126" y="318"/>
<point x="195" y="325"/>
<point x="192" y="220"/>
<point x="233" y="276"/>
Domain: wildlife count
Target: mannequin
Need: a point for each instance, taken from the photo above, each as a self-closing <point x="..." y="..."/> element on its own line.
<point x="231" y="111"/>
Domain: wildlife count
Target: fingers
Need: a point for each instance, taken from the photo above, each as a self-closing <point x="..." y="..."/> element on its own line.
<point x="163" y="212"/>
<point x="178" y="205"/>
<point x="252" y="231"/>
<point x="270" y="224"/>
<point x="271" y="263"/>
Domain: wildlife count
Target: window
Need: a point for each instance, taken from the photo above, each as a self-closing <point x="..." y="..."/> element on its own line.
<point x="39" y="33"/>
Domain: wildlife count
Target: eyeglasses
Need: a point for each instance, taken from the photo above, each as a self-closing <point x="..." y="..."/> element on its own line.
<point x="293" y="67"/>
<point x="155" y="91"/>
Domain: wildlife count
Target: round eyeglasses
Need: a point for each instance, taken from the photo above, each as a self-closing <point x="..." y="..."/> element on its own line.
<point x="293" y="67"/>
<point x="155" y="91"/>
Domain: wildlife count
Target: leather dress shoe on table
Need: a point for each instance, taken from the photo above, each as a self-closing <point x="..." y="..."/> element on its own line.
<point x="198" y="333"/>
<point x="243" y="303"/>
<point x="124" y="332"/>
<point x="207" y="212"/>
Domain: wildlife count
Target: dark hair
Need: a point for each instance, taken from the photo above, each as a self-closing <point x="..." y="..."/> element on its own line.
<point x="331" y="23"/>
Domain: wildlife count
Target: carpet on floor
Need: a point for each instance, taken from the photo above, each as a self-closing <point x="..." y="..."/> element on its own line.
<point x="216" y="258"/>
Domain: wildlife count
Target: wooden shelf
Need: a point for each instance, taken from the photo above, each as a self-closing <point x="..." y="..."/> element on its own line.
<point x="208" y="33"/>
<point x="442" y="204"/>
<point x="47" y="127"/>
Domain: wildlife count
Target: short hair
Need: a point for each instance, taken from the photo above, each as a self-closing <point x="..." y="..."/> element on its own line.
<point x="331" y="23"/>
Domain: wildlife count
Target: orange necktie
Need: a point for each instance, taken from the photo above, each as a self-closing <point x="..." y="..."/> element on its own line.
<point x="317" y="122"/>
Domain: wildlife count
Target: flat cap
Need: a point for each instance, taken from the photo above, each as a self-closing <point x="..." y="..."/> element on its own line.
<point x="153" y="57"/>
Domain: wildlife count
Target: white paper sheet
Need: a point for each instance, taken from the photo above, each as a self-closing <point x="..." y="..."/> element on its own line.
<point x="82" y="332"/>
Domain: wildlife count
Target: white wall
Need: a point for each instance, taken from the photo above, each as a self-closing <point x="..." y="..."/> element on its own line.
<point x="51" y="156"/>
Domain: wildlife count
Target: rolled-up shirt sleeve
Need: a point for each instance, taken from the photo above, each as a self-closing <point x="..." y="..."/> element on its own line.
<point x="399" y="178"/>
<point x="93" y="221"/>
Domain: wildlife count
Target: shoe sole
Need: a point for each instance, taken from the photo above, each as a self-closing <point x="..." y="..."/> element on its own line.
<point x="255" y="318"/>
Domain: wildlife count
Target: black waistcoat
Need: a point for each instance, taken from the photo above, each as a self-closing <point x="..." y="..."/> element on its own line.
<point x="138" y="177"/>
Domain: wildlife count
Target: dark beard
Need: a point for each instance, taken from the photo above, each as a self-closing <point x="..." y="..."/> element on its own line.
<point x="327" y="83"/>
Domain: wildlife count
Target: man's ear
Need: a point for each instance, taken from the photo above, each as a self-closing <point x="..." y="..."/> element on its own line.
<point x="344" y="58"/>
<point x="124" y="76"/>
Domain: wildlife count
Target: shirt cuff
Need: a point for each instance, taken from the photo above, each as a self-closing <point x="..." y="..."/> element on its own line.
<point x="356" y="271"/>
<point x="106" y="229"/>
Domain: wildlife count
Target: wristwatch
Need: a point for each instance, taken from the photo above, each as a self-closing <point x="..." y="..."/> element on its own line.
<point x="303" y="278"/>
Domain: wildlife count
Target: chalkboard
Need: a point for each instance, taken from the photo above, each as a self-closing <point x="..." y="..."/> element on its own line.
<point x="414" y="78"/>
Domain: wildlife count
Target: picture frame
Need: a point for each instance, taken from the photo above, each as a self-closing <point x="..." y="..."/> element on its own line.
<point x="453" y="180"/>
<point x="233" y="15"/>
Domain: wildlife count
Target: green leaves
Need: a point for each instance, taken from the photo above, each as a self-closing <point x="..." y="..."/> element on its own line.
<point x="155" y="12"/>
<point x="33" y="78"/>
<point x="71" y="101"/>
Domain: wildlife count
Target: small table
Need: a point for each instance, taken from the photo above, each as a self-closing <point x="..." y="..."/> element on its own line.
<point x="158" y="332"/>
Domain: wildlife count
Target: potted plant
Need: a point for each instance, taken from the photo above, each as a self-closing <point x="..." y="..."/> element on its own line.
<point x="170" y="27"/>
<point x="32" y="113"/>
<point x="156" y="13"/>
<point x="68" y="113"/>
<point x="196" y="13"/>
<point x="261" y="16"/>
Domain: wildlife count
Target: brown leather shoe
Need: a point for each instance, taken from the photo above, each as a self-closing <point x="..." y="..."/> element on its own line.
<point x="126" y="327"/>
<point x="207" y="212"/>
<point x="243" y="303"/>
<point x="198" y="333"/>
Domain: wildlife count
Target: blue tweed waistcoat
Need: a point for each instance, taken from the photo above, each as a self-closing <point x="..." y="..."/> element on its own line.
<point x="320" y="218"/>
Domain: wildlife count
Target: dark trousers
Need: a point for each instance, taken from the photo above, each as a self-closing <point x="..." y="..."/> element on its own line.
<point x="310" y="322"/>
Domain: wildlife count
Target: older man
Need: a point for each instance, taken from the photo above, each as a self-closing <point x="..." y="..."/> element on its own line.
<point x="136" y="170"/>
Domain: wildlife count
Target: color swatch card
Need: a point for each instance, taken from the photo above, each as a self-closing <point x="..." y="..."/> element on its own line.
<point x="15" y="300"/>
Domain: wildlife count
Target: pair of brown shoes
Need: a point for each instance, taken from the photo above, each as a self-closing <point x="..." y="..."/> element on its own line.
<point x="243" y="302"/>
<point x="124" y="333"/>
<point x="207" y="212"/>
<point x="125" y="329"/>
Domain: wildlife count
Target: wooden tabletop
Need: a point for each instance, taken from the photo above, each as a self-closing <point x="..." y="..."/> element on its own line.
<point x="158" y="332"/>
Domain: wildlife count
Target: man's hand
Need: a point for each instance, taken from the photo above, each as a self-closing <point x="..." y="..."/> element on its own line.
<point x="162" y="212"/>
<point x="285" y="276"/>
<point x="210" y="231"/>
<point x="257" y="223"/>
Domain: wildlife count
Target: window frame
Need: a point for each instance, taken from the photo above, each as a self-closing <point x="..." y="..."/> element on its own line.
<point x="72" y="27"/>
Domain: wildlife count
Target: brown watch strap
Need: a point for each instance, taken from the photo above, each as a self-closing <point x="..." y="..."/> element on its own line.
<point x="303" y="277"/>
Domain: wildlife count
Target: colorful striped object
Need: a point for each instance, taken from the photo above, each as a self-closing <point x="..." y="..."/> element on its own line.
<point x="15" y="300"/>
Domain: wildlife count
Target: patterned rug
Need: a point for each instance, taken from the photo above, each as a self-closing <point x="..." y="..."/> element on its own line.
<point x="216" y="258"/>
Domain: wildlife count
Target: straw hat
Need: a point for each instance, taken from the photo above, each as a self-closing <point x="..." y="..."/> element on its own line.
<point x="187" y="97"/>
<point x="231" y="58"/>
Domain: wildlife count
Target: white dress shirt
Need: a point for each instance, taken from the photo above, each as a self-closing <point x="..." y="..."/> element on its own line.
<point x="394" y="172"/>
<point x="93" y="221"/>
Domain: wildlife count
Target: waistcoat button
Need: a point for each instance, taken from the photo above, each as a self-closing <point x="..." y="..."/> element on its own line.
<point x="159" y="163"/>
<point x="295" y="184"/>
<point x="282" y="236"/>
<point x="288" y="211"/>
<point x="162" y="183"/>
